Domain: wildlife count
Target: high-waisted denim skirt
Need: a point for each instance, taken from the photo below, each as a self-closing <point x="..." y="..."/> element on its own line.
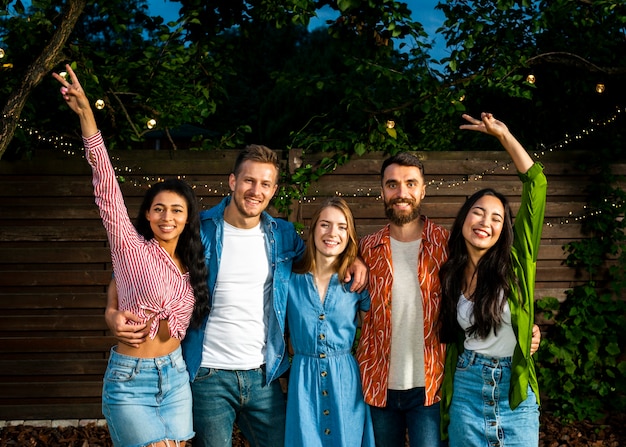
<point x="146" y="400"/>
<point x="480" y="414"/>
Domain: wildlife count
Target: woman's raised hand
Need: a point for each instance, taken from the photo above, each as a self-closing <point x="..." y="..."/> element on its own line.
<point x="487" y="124"/>
<point x="75" y="97"/>
<point x="73" y="92"/>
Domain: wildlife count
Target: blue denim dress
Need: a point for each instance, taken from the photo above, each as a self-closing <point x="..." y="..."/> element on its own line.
<point x="325" y="405"/>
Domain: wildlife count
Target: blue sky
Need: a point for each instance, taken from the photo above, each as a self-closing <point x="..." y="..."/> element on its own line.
<point x="423" y="12"/>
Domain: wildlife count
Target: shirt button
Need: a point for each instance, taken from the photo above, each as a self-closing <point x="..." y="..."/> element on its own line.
<point x="327" y="431"/>
<point x="322" y="355"/>
<point x="324" y="374"/>
<point x="322" y="317"/>
<point x="322" y="337"/>
<point x="324" y="393"/>
<point x="326" y="412"/>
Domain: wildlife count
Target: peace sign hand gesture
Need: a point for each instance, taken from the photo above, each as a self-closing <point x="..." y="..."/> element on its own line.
<point x="75" y="97"/>
<point x="487" y="124"/>
<point x="491" y="126"/>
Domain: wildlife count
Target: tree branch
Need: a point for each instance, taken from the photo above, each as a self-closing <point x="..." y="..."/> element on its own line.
<point x="565" y="58"/>
<point x="37" y="71"/>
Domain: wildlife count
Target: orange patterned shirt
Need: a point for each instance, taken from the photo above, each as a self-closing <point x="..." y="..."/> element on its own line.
<point x="375" y="343"/>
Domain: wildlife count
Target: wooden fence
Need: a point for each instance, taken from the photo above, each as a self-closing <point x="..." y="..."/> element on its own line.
<point x="55" y="264"/>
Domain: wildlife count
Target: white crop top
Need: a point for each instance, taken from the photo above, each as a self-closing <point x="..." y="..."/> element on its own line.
<point x="500" y="345"/>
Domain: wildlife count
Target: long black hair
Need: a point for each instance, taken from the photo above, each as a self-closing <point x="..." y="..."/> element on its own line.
<point x="494" y="275"/>
<point x="189" y="247"/>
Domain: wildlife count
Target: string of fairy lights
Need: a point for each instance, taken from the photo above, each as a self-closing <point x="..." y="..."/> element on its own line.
<point x="138" y="180"/>
<point x="572" y="217"/>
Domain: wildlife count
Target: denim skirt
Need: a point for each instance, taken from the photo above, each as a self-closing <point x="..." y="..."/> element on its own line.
<point x="146" y="400"/>
<point x="480" y="414"/>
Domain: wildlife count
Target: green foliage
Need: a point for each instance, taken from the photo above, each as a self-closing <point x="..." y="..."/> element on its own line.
<point x="251" y="72"/>
<point x="582" y="365"/>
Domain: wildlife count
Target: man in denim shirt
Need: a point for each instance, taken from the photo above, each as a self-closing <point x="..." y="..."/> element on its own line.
<point x="238" y="351"/>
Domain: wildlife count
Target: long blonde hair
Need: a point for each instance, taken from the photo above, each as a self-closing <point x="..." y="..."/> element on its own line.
<point x="347" y="257"/>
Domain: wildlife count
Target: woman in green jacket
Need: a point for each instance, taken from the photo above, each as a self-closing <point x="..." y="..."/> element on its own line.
<point x="490" y="395"/>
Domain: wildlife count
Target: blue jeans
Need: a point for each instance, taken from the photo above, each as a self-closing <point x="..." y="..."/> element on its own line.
<point x="405" y="410"/>
<point x="222" y="398"/>
<point x="480" y="414"/>
<point x="146" y="400"/>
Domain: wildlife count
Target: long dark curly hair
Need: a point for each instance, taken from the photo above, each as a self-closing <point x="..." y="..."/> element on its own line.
<point x="189" y="247"/>
<point x="494" y="275"/>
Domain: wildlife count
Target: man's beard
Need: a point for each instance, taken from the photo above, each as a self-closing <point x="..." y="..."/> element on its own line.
<point x="402" y="218"/>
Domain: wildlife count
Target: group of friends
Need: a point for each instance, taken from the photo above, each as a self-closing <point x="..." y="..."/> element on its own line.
<point x="219" y="312"/>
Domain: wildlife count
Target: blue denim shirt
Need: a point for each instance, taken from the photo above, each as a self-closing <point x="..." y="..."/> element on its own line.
<point x="283" y="246"/>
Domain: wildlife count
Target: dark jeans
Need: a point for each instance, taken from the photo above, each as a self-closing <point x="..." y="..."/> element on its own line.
<point x="405" y="410"/>
<point x="223" y="397"/>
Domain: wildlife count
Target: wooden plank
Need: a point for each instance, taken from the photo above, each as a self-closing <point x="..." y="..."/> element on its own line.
<point x="36" y="212"/>
<point x="373" y="208"/>
<point x="558" y="293"/>
<point x="55" y="277"/>
<point x="83" y="188"/>
<point x="35" y="345"/>
<point x="331" y="185"/>
<point x="52" y="233"/>
<point x="60" y="367"/>
<point x="39" y="410"/>
<point x="551" y="234"/>
<point x="28" y="323"/>
<point x="449" y="161"/>
<point x="142" y="161"/>
<point x="39" y="300"/>
<point x="47" y="390"/>
<point x="560" y="274"/>
<point x="56" y="255"/>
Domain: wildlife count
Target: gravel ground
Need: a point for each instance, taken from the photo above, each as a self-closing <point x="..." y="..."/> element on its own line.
<point x="608" y="433"/>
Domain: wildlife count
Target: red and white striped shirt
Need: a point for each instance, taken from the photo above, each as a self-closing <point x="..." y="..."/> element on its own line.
<point x="149" y="284"/>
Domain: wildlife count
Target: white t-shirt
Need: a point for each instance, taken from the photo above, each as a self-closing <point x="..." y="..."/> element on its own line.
<point x="406" y="360"/>
<point x="236" y="331"/>
<point x="501" y="345"/>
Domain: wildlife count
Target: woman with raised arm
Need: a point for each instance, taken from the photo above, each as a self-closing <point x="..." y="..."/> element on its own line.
<point x="490" y="395"/>
<point x="161" y="277"/>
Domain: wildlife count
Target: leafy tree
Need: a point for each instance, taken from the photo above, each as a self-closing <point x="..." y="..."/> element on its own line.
<point x="251" y="71"/>
<point x="569" y="46"/>
<point x="141" y="67"/>
<point x="34" y="71"/>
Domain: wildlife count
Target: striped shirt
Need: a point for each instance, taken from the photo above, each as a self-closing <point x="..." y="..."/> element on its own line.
<point x="149" y="284"/>
<point x="374" y="347"/>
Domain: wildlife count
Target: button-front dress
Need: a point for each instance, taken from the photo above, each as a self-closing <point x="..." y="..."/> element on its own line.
<point x="325" y="404"/>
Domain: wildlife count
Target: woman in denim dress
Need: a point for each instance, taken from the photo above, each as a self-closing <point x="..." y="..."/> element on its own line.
<point x="325" y="405"/>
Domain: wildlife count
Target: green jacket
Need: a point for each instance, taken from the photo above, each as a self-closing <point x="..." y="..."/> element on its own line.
<point x="527" y="237"/>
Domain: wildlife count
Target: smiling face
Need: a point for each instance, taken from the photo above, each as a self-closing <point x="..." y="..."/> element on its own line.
<point x="483" y="224"/>
<point x="252" y="189"/>
<point x="331" y="232"/>
<point x="403" y="189"/>
<point x="167" y="216"/>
